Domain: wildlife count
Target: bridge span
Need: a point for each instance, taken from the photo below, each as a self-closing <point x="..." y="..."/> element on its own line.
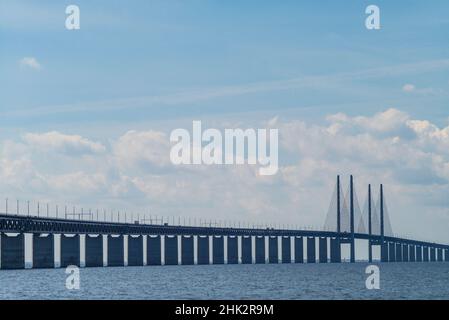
<point x="136" y="244"/>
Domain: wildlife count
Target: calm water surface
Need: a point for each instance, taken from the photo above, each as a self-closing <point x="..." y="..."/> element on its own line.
<point x="295" y="281"/>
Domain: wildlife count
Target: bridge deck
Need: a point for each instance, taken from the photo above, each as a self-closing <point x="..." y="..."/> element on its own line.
<point x="30" y="224"/>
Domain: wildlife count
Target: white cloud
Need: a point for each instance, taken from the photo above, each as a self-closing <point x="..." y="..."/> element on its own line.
<point x="408" y="88"/>
<point x="140" y="150"/>
<point x="30" y="62"/>
<point x="85" y="183"/>
<point x="389" y="122"/>
<point x="68" y="144"/>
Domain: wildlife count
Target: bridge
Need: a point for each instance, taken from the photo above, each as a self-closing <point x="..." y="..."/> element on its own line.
<point x="138" y="244"/>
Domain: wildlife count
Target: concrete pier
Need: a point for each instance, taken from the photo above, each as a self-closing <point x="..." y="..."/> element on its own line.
<point x="94" y="251"/>
<point x="335" y="250"/>
<point x="233" y="253"/>
<point x="405" y="256"/>
<point x="135" y="250"/>
<point x="43" y="251"/>
<point x="70" y="250"/>
<point x="439" y="254"/>
<point x="273" y="254"/>
<point x="398" y="252"/>
<point x="425" y="254"/>
<point x="311" y="255"/>
<point x="412" y="253"/>
<point x="187" y="257"/>
<point x="203" y="250"/>
<point x="171" y="250"/>
<point x="260" y="250"/>
<point x="13" y="251"/>
<point x="116" y="253"/>
<point x="218" y="250"/>
<point x="286" y="250"/>
<point x="384" y="252"/>
<point x="391" y="252"/>
<point x="247" y="250"/>
<point x="432" y="254"/>
<point x="419" y="257"/>
<point x="323" y="250"/>
<point x="299" y="250"/>
<point x="154" y="250"/>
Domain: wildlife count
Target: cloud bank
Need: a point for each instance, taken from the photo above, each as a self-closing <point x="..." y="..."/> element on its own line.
<point x="132" y="171"/>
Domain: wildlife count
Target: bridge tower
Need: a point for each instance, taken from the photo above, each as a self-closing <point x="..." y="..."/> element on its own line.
<point x="352" y="219"/>
<point x="338" y="205"/>
<point x="336" y="243"/>
<point x="382" y="233"/>
<point x="384" y="249"/>
<point x="370" y="231"/>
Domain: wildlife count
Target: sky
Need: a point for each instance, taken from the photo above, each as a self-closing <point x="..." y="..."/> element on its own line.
<point x="86" y="115"/>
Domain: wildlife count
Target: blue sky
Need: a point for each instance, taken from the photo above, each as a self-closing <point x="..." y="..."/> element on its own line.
<point x="161" y="48"/>
<point x="92" y="99"/>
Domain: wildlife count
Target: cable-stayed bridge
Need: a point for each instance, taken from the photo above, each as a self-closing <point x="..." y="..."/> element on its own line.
<point x="109" y="243"/>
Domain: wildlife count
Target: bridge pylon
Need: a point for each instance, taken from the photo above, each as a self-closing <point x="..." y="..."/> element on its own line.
<point x="351" y="206"/>
<point x="370" y="227"/>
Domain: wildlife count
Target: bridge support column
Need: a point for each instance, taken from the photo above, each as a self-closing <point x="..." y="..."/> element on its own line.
<point x="323" y="250"/>
<point x="43" y="251"/>
<point x="412" y="253"/>
<point x="171" y="250"/>
<point x="299" y="250"/>
<point x="419" y="254"/>
<point x="335" y="250"/>
<point x="116" y="253"/>
<point x="70" y="250"/>
<point x="384" y="252"/>
<point x="311" y="255"/>
<point x="218" y="249"/>
<point x="135" y="250"/>
<point x="233" y="250"/>
<point x="426" y="254"/>
<point x="94" y="251"/>
<point x="398" y="252"/>
<point x="440" y="255"/>
<point x="247" y="255"/>
<point x="446" y="255"/>
<point x="260" y="250"/>
<point x="13" y="251"/>
<point x="286" y="250"/>
<point x="203" y="249"/>
<point x="273" y="255"/>
<point x="187" y="250"/>
<point x="370" y="251"/>
<point x="405" y="256"/>
<point x="391" y="252"/>
<point x="432" y="254"/>
<point x="154" y="250"/>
